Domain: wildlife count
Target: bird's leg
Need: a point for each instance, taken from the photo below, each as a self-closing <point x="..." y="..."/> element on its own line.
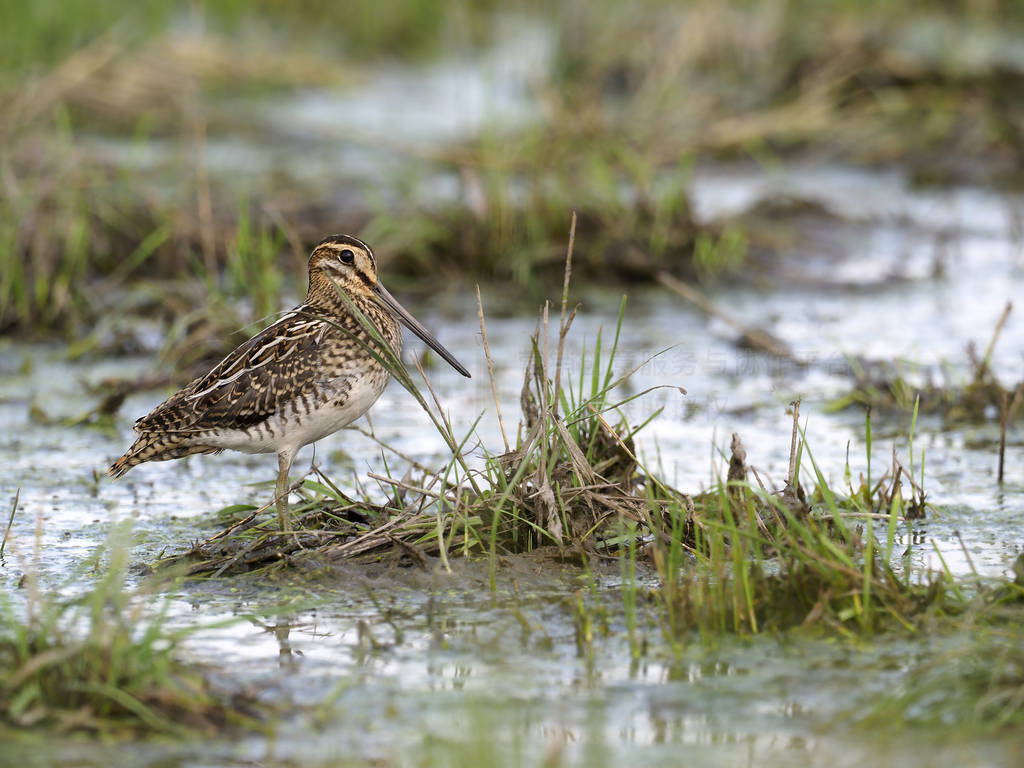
<point x="284" y="463"/>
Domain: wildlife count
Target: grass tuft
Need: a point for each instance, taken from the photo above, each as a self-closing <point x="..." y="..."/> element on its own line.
<point x="104" y="662"/>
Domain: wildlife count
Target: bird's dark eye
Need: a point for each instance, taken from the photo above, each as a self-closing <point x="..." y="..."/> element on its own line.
<point x="347" y="257"/>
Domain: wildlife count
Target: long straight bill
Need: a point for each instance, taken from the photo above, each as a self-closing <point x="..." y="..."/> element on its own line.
<point x="414" y="325"/>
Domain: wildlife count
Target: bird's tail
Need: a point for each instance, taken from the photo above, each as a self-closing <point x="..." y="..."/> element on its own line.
<point x="132" y="457"/>
<point x="151" y="446"/>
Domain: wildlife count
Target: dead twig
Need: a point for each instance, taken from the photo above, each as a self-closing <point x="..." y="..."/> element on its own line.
<point x="983" y="365"/>
<point x="1007" y="414"/>
<point x="760" y="339"/>
<point x="403" y="485"/>
<point x="10" y="520"/>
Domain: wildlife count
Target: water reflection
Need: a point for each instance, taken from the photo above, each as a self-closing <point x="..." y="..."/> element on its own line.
<point x="462" y="669"/>
<point x="288" y="659"/>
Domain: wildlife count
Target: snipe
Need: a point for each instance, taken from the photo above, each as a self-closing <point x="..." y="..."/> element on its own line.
<point x="297" y="381"/>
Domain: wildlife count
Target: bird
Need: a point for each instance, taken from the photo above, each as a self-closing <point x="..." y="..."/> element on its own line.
<point x="315" y="370"/>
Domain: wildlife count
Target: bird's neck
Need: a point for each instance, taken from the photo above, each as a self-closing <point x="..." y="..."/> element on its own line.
<point x="327" y="299"/>
<point x="333" y="299"/>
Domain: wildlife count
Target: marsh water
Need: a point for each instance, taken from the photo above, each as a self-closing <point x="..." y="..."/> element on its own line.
<point x="409" y="666"/>
<point x="419" y="666"/>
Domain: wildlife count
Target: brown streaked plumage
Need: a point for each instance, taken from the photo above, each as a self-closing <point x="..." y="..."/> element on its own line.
<point x="300" y="379"/>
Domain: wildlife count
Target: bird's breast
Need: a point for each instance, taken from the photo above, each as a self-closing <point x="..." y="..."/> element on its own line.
<point x="334" y="404"/>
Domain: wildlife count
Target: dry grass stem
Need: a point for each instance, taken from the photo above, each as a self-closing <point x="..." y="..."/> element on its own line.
<point x="490" y="367"/>
<point x="10" y="521"/>
<point x="791" y="477"/>
<point x="564" y="322"/>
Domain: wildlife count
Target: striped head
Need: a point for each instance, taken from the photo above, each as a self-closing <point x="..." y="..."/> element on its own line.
<point x="347" y="263"/>
<point x="343" y="261"/>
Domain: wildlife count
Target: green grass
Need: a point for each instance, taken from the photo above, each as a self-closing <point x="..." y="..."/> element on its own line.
<point x="976" y="684"/>
<point x="620" y="127"/>
<point x="735" y="559"/>
<point x="39" y="35"/>
<point x="963" y="398"/>
<point x="103" y="662"/>
<point x="814" y="560"/>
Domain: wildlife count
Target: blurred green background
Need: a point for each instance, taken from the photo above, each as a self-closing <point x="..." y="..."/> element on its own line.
<point x="213" y="142"/>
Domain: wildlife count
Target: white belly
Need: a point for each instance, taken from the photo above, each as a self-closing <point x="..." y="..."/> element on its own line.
<point x="292" y="427"/>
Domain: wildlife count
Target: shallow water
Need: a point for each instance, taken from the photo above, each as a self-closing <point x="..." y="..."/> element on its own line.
<point x="453" y="675"/>
<point x="351" y="148"/>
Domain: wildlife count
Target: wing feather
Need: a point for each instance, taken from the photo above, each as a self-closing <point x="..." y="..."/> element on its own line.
<point x="275" y="366"/>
